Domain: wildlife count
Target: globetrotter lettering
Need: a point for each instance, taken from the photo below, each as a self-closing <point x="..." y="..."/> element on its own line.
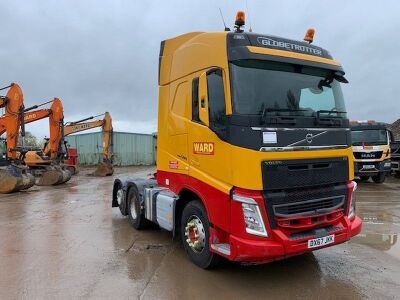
<point x="290" y="46"/>
<point x="204" y="148"/>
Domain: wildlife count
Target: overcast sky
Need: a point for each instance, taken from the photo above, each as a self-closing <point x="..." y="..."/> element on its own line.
<point x="102" y="56"/>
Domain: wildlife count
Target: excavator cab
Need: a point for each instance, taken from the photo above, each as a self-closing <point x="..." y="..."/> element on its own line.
<point x="3" y="157"/>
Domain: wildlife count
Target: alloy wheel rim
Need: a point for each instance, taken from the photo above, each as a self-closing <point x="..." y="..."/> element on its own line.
<point x="195" y="234"/>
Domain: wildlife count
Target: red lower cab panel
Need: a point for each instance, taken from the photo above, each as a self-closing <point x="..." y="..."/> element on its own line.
<point x="288" y="238"/>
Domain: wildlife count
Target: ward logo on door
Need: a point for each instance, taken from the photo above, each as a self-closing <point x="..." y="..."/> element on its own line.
<point x="204" y="148"/>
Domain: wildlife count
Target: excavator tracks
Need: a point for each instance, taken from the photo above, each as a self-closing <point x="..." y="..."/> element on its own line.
<point x="14" y="179"/>
<point x="52" y="175"/>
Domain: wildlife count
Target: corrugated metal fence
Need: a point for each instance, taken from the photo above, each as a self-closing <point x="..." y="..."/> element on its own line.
<point x="128" y="148"/>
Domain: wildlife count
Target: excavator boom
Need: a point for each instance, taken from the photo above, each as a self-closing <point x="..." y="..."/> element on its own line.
<point x="105" y="168"/>
<point x="78" y="127"/>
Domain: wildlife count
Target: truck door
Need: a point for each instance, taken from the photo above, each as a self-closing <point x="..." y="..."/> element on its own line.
<point x="209" y="156"/>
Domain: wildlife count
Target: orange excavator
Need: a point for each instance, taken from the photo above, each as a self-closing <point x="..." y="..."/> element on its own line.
<point x="51" y="150"/>
<point x="46" y="165"/>
<point x="105" y="168"/>
<point x="13" y="173"/>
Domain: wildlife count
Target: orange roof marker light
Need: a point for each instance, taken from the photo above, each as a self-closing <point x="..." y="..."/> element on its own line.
<point x="240" y="20"/>
<point x="309" y="37"/>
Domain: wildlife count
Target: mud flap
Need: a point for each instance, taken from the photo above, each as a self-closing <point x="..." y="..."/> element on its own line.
<point x="13" y="179"/>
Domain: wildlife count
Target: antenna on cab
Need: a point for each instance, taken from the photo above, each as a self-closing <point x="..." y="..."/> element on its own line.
<point x="223" y="20"/>
<point x="248" y="13"/>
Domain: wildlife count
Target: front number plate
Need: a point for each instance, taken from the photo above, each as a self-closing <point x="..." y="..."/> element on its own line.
<point x="369" y="167"/>
<point x="318" y="242"/>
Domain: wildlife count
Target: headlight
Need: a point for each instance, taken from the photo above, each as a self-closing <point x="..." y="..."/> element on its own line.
<point x="252" y="215"/>
<point x="352" y="208"/>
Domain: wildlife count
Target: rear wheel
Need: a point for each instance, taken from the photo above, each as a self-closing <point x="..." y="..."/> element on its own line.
<point x="397" y="174"/>
<point x="136" y="218"/>
<point x="195" y="235"/>
<point x="120" y="200"/>
<point x="364" y="178"/>
<point x="380" y="178"/>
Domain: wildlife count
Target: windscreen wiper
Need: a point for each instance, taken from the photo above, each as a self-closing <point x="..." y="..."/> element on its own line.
<point x="278" y="119"/>
<point x="329" y="112"/>
<point x="329" y="120"/>
<point x="271" y="109"/>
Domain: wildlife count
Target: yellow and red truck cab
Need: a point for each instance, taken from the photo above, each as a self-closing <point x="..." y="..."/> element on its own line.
<point x="254" y="158"/>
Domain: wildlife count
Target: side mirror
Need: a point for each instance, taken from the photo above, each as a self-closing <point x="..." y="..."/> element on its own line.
<point x="203" y="99"/>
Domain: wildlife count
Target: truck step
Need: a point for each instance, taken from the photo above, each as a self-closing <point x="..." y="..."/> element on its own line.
<point x="224" y="249"/>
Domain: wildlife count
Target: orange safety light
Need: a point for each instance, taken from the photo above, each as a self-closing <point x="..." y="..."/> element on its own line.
<point x="240" y="18"/>
<point x="309" y="37"/>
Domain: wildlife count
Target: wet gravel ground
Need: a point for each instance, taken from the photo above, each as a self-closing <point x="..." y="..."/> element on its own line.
<point x="67" y="242"/>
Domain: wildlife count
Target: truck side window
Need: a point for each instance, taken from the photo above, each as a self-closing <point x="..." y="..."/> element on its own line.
<point x="195" y="100"/>
<point x="216" y="98"/>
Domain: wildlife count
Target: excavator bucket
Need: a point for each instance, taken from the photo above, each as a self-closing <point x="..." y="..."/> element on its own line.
<point x="104" y="169"/>
<point x="13" y="179"/>
<point x="53" y="175"/>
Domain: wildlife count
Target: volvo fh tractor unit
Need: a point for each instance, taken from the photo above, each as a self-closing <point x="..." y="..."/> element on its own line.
<point x="371" y="149"/>
<point x="254" y="158"/>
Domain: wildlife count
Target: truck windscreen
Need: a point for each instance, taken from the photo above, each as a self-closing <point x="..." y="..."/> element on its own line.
<point x="369" y="137"/>
<point x="264" y="87"/>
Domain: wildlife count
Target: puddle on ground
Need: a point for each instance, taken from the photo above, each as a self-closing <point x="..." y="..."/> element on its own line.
<point x="379" y="241"/>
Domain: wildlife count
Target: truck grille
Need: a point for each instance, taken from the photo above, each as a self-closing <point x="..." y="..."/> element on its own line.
<point x="302" y="173"/>
<point x="368" y="155"/>
<point x="290" y="203"/>
<point x="307" y="207"/>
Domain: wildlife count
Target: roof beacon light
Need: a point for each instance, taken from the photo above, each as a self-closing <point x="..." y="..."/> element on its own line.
<point x="240" y="20"/>
<point x="309" y="37"/>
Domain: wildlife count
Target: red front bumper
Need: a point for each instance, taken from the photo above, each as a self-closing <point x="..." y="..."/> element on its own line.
<point x="279" y="246"/>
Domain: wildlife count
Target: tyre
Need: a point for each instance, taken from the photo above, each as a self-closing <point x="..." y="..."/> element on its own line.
<point x="195" y="235"/>
<point x="120" y="200"/>
<point x="364" y="178"/>
<point x="136" y="218"/>
<point x="380" y="178"/>
<point x="397" y="174"/>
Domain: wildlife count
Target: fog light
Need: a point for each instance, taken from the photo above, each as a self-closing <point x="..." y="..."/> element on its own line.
<point x="252" y="215"/>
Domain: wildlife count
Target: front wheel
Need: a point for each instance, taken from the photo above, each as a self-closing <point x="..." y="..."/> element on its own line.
<point x="195" y="235"/>
<point x="380" y="178"/>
